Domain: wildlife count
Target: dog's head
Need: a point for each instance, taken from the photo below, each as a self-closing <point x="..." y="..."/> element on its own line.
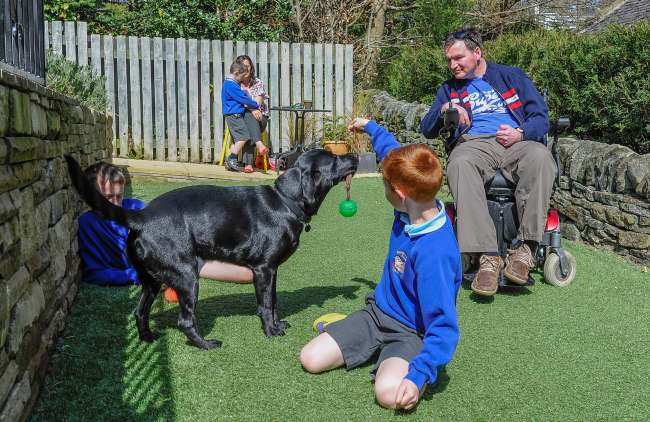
<point x="313" y="175"/>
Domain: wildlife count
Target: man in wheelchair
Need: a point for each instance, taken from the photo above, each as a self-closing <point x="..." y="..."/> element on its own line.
<point x="502" y="123"/>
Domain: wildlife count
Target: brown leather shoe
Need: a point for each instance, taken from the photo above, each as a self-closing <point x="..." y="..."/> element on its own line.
<point x="486" y="280"/>
<point x="518" y="263"/>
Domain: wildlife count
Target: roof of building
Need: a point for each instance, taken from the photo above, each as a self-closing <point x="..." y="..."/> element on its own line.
<point x="623" y="12"/>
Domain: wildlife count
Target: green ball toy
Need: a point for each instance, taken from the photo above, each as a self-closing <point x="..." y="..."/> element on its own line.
<point x="348" y="208"/>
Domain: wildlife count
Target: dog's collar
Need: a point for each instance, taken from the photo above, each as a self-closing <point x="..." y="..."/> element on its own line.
<point x="299" y="212"/>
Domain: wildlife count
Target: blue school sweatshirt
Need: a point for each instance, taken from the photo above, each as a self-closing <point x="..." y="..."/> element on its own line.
<point x="233" y="98"/>
<point x="102" y="247"/>
<point x="421" y="278"/>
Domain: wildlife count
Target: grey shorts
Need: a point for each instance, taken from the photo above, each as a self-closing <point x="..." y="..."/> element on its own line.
<point x="244" y="127"/>
<point x="369" y="332"/>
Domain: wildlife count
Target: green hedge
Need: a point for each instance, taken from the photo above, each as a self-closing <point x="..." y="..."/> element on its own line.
<point x="601" y="81"/>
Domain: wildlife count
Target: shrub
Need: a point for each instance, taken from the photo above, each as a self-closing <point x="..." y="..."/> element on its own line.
<point x="77" y="82"/>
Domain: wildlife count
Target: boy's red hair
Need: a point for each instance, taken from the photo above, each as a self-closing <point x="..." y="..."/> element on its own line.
<point x="415" y="170"/>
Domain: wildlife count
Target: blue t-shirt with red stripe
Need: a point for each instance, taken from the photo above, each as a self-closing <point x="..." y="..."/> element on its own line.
<point x="489" y="110"/>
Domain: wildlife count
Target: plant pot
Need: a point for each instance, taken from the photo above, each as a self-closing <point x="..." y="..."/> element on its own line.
<point x="367" y="163"/>
<point x="337" y="148"/>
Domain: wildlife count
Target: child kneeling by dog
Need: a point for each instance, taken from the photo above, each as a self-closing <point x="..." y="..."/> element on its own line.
<point x="410" y="318"/>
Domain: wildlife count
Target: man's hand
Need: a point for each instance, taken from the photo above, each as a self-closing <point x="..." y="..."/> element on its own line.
<point x="257" y="114"/>
<point x="407" y="396"/>
<point x="463" y="117"/>
<point x="358" y="124"/>
<point x="508" y="136"/>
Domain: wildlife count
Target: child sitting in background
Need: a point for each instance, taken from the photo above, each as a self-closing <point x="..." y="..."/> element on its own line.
<point x="234" y="103"/>
<point x="410" y="318"/>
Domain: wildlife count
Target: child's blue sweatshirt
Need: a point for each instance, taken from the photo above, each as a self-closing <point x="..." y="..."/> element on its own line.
<point x="421" y="278"/>
<point x="233" y="98"/>
<point x="102" y="246"/>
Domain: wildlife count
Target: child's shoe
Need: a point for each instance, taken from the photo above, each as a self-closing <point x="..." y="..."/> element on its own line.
<point x="233" y="165"/>
<point x="248" y="168"/>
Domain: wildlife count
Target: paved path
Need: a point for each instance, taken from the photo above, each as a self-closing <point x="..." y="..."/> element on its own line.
<point x="176" y="170"/>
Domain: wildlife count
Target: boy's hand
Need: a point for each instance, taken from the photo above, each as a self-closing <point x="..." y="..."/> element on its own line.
<point x="358" y="124"/>
<point x="408" y="395"/>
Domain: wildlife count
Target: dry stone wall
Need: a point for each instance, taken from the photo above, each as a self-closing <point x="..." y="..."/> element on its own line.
<point x="39" y="264"/>
<point x="604" y="190"/>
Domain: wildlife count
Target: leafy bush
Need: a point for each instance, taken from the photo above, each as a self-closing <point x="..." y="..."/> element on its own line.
<point x="601" y="81"/>
<point x="77" y="82"/>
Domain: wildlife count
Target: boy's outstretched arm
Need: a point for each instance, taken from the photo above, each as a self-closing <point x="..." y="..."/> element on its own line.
<point x="383" y="141"/>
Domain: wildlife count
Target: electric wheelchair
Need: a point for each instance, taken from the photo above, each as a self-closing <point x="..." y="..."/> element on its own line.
<point x="559" y="265"/>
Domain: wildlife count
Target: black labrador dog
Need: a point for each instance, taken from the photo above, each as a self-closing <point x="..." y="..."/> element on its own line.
<point x="257" y="227"/>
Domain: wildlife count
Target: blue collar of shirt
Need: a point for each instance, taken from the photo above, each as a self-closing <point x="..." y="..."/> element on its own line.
<point x="431" y="225"/>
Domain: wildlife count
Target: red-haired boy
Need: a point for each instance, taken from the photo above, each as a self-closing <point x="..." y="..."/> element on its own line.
<point x="410" y="318"/>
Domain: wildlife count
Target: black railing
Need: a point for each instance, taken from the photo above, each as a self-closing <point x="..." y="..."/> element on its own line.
<point x="22" y="47"/>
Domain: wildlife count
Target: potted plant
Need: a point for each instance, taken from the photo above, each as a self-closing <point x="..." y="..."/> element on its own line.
<point x="336" y="137"/>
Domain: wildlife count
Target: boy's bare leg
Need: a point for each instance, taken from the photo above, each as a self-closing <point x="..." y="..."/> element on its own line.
<point x="261" y="148"/>
<point x="390" y="375"/>
<point x="225" y="271"/>
<point x="237" y="146"/>
<point x="321" y="354"/>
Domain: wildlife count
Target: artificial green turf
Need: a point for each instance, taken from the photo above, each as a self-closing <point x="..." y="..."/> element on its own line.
<point x="574" y="353"/>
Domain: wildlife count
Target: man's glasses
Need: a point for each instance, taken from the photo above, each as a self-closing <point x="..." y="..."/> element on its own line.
<point x="462" y="35"/>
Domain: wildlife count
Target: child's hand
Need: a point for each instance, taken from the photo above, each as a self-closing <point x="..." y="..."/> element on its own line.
<point x="358" y="124"/>
<point x="407" y="396"/>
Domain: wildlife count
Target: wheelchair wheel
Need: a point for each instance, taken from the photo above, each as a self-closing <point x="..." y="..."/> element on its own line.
<point x="552" y="272"/>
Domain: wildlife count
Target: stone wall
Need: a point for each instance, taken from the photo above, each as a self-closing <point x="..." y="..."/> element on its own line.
<point x="39" y="264"/>
<point x="604" y="192"/>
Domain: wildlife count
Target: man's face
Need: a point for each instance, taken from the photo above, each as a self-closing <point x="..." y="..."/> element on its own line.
<point x="462" y="61"/>
<point x="114" y="192"/>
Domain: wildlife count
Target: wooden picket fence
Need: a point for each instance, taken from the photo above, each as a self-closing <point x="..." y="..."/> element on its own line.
<point x="165" y="94"/>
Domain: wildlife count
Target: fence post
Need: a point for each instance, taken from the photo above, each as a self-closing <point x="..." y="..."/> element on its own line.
<point x="181" y="61"/>
<point x="147" y="100"/>
<point x="285" y="93"/>
<point x="159" y="97"/>
<point x="340" y="82"/>
<point x="82" y="43"/>
<point x="134" y="93"/>
<point x="70" y="42"/>
<point x="109" y="72"/>
<point x="205" y="102"/>
<point x="194" y="100"/>
<point x="170" y="85"/>
<point x="217" y="82"/>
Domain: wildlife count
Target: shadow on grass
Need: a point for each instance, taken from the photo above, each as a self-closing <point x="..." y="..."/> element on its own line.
<point x="100" y="370"/>
<point x="289" y="303"/>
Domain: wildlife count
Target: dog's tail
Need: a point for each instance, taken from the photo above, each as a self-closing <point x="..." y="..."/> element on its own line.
<point x="95" y="199"/>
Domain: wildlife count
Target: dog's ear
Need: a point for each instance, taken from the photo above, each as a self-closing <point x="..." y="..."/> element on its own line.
<point x="289" y="183"/>
<point x="310" y="184"/>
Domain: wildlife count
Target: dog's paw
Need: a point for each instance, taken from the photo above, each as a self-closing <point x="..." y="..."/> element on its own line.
<point x="209" y="344"/>
<point x="274" y="331"/>
<point x="283" y="325"/>
<point x="149" y="336"/>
